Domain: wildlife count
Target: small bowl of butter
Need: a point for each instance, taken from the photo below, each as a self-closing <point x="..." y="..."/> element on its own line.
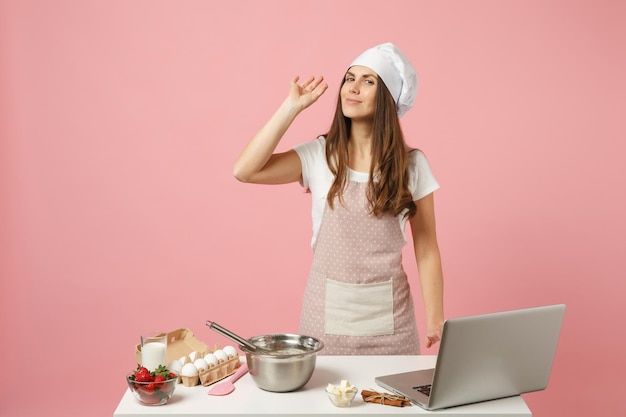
<point x="341" y="395"/>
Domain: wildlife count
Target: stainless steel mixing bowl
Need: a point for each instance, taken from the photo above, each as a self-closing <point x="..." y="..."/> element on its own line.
<point x="288" y="366"/>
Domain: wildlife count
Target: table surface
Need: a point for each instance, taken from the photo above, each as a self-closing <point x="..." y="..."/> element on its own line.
<point x="311" y="400"/>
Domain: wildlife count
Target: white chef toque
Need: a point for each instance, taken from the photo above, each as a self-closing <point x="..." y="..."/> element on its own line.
<point x="396" y="72"/>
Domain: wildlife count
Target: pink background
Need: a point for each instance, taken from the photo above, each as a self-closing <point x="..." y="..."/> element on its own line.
<point x="119" y="214"/>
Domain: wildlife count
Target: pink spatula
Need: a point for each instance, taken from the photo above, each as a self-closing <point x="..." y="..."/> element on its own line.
<point x="226" y="387"/>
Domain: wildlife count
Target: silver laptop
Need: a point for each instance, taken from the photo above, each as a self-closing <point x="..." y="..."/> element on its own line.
<point x="485" y="357"/>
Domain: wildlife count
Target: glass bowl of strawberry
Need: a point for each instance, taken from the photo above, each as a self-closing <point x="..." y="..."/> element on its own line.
<point x="152" y="388"/>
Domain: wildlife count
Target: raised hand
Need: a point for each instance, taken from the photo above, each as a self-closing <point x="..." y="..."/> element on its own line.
<point x="302" y="95"/>
<point x="258" y="163"/>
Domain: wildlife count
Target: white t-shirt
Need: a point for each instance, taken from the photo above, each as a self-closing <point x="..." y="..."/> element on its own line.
<point x="316" y="177"/>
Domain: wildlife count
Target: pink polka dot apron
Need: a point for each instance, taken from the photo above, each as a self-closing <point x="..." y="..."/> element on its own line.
<point x="357" y="299"/>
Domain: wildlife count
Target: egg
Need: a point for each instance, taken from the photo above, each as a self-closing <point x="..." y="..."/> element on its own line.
<point x="201" y="364"/>
<point x="230" y="351"/>
<point x="211" y="359"/>
<point x="189" y="369"/>
<point x="175" y="366"/>
<point x="183" y="359"/>
<point x="193" y="356"/>
<point x="220" y="355"/>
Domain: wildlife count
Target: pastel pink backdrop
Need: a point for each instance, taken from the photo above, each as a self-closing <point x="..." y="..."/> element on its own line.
<point x="119" y="214"/>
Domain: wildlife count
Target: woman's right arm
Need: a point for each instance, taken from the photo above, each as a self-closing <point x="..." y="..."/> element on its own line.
<point x="258" y="163"/>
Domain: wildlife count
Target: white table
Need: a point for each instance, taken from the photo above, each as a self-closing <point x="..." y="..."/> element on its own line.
<point x="311" y="400"/>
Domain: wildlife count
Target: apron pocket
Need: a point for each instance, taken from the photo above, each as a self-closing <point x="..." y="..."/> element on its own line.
<point x="358" y="309"/>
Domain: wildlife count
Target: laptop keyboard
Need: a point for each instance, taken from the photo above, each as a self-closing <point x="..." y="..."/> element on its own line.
<point x="424" y="389"/>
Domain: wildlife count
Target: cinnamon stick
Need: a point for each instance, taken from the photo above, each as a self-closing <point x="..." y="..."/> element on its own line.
<point x="385" y="398"/>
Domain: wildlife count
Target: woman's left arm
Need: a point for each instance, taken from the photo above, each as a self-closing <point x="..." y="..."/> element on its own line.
<point x="429" y="266"/>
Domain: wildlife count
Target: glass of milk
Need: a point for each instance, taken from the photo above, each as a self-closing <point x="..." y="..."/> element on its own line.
<point x="154" y="352"/>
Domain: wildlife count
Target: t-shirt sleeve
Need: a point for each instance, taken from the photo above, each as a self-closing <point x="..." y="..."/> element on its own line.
<point x="422" y="181"/>
<point x="309" y="153"/>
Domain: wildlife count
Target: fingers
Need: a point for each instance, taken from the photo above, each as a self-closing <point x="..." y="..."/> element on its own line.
<point x="432" y="339"/>
<point x="310" y="83"/>
<point x="321" y="87"/>
<point x="307" y="82"/>
<point x="307" y="91"/>
<point x="317" y="87"/>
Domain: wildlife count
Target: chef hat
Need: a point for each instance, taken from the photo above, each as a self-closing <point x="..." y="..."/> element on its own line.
<point x="396" y="72"/>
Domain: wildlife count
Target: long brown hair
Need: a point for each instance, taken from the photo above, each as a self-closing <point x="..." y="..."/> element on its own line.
<point x="388" y="190"/>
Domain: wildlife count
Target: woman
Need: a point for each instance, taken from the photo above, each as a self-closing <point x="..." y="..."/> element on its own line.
<point x="365" y="184"/>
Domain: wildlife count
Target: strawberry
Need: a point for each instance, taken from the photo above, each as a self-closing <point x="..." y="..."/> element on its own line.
<point x="152" y="387"/>
<point x="148" y="397"/>
<point x="167" y="389"/>
<point x="141" y="369"/>
<point x="142" y="375"/>
<point x="159" y="381"/>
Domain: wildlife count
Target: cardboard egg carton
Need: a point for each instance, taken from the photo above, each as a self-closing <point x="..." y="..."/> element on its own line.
<point x="181" y="343"/>
<point x="209" y="376"/>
